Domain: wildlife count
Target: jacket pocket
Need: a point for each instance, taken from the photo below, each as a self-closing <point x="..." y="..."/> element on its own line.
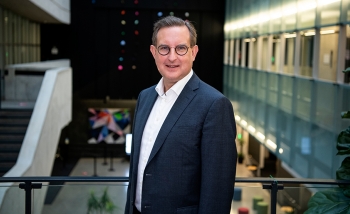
<point x="187" y="210"/>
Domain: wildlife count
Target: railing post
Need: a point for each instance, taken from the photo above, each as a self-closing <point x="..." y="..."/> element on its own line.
<point x="95" y="167"/>
<point x="28" y="186"/>
<point x="274" y="187"/>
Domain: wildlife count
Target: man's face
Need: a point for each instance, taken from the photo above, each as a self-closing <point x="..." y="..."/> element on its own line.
<point x="172" y="66"/>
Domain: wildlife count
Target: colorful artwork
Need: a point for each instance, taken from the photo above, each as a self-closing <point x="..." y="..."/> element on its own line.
<point x="108" y="125"/>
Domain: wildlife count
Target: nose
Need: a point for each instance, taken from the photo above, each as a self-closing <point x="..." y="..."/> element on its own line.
<point x="172" y="54"/>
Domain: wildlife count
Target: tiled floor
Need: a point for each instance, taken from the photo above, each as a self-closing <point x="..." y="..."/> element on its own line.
<point x="73" y="197"/>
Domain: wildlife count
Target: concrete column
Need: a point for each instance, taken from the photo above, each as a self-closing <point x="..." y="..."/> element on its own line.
<point x="226" y="50"/>
<point x="251" y="48"/>
<point x="316" y="54"/>
<point x="269" y="52"/>
<point x="243" y="54"/>
<point x="237" y="53"/>
<point x="231" y="54"/>
<point x="259" y="52"/>
<point x="341" y="54"/>
<point x="297" y="53"/>
<point x="282" y="53"/>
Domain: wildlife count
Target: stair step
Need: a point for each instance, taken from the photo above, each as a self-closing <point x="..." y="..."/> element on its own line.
<point x="11" y="137"/>
<point x="8" y="157"/>
<point x="13" y="129"/>
<point x="14" y="122"/>
<point x="13" y="126"/>
<point x="10" y="148"/>
<point x="15" y="114"/>
<point x="7" y="165"/>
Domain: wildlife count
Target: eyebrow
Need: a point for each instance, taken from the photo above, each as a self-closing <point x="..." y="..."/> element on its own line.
<point x="169" y="46"/>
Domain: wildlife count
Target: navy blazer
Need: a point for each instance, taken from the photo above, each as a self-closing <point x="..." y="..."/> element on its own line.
<point x="192" y="166"/>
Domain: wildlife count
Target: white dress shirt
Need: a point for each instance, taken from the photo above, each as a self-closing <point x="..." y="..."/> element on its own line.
<point x="160" y="110"/>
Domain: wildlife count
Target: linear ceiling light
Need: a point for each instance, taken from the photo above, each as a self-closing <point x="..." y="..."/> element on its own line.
<point x="276" y="14"/>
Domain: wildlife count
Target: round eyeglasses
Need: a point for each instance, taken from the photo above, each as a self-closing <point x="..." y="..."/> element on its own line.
<point x="165" y="50"/>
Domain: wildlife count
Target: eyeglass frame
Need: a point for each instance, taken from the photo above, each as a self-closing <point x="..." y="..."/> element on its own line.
<point x="187" y="47"/>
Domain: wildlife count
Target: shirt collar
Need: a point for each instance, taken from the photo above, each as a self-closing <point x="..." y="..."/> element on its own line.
<point x="177" y="87"/>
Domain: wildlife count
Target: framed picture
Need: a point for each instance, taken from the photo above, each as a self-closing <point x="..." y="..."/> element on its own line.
<point x="109" y="125"/>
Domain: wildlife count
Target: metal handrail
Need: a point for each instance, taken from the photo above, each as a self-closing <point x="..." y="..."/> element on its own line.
<point x="274" y="184"/>
<point x="126" y="179"/>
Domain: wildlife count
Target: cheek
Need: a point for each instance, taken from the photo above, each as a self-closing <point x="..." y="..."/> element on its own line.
<point x="158" y="61"/>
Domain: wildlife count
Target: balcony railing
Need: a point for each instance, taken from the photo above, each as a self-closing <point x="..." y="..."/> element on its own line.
<point x="79" y="198"/>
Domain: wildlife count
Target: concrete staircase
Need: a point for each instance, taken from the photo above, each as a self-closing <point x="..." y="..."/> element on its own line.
<point x="13" y="126"/>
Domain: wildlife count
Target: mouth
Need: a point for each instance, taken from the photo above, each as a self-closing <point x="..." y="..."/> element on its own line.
<point x="172" y="66"/>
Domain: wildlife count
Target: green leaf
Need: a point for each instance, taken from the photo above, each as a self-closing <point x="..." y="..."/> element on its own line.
<point x="105" y="197"/>
<point x="106" y="202"/>
<point x="343" y="142"/>
<point x="343" y="173"/>
<point x="345" y="114"/>
<point x="110" y="206"/>
<point x="102" y="204"/>
<point x="93" y="203"/>
<point x="347" y="70"/>
<point x="329" y="201"/>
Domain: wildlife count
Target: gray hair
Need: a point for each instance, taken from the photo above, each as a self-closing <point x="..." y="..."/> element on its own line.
<point x="170" y="21"/>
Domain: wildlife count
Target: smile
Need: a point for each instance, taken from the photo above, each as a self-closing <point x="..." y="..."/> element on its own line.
<point x="172" y="66"/>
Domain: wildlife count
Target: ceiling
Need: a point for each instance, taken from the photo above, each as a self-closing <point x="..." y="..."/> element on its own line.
<point x="29" y="10"/>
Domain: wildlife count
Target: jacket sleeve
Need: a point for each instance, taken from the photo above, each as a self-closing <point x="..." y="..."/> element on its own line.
<point x="130" y="195"/>
<point x="219" y="158"/>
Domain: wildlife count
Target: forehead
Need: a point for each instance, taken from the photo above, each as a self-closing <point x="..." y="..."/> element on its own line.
<point x="173" y="35"/>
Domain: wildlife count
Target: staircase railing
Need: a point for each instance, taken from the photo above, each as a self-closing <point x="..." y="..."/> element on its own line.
<point x="52" y="112"/>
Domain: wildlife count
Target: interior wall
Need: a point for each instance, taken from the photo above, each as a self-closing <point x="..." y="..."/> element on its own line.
<point x="328" y="56"/>
<point x="93" y="43"/>
<point x="96" y="48"/>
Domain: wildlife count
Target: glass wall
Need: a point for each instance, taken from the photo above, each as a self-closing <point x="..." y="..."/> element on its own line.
<point x="284" y="87"/>
<point x="306" y="13"/>
<point x="330" y="13"/>
<point x="294" y="118"/>
<point x="20" y="41"/>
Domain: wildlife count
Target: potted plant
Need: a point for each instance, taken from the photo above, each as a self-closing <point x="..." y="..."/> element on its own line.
<point x="240" y="153"/>
<point x="102" y="205"/>
<point x="336" y="200"/>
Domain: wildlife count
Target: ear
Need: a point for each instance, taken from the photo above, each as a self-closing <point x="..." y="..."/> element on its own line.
<point x="153" y="50"/>
<point x="194" y="51"/>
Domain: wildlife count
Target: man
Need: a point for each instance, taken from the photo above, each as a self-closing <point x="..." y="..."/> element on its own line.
<point x="184" y="155"/>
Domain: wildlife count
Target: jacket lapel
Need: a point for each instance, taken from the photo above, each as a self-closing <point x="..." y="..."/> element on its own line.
<point x="143" y="112"/>
<point x="185" y="97"/>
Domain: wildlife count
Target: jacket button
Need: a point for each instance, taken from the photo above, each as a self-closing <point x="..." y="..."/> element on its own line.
<point x="147" y="174"/>
<point x="147" y="207"/>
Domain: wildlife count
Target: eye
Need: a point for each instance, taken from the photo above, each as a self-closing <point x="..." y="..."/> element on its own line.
<point x="181" y="48"/>
<point x="163" y="48"/>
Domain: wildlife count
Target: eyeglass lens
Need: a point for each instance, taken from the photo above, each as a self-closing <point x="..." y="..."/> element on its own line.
<point x="180" y="49"/>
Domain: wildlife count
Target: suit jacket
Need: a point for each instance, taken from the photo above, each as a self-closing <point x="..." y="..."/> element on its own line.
<point x="192" y="165"/>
